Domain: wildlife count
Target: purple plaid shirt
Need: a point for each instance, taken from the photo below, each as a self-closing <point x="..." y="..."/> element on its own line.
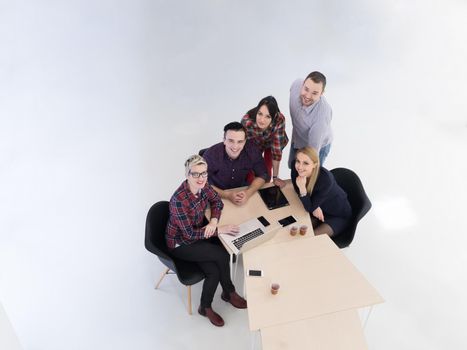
<point x="228" y="173"/>
<point x="274" y="137"/>
<point x="185" y="224"/>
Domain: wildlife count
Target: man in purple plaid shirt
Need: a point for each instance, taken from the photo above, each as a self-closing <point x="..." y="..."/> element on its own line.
<point x="231" y="161"/>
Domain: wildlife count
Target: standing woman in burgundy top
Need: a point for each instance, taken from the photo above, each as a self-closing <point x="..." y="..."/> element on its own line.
<point x="191" y="237"/>
<point x="265" y="125"/>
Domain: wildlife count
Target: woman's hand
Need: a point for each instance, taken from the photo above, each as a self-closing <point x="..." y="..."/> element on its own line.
<point x="232" y="230"/>
<point x="301" y="183"/>
<point x="210" y="229"/>
<point x="318" y="213"/>
<point x="278" y="182"/>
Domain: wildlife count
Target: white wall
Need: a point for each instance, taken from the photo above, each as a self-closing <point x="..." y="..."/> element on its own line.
<point x="101" y="103"/>
<point x="8" y="338"/>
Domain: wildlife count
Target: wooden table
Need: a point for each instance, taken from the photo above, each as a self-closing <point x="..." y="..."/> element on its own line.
<point x="255" y="207"/>
<point x="336" y="331"/>
<point x="315" y="278"/>
<point x="321" y="290"/>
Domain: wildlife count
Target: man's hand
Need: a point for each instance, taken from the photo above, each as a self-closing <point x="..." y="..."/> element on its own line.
<point x="240" y="198"/>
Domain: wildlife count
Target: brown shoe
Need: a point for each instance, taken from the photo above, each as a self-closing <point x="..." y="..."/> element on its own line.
<point x="213" y="316"/>
<point x="235" y="299"/>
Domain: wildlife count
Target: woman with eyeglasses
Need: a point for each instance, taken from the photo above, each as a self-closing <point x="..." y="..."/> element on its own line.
<point x="320" y="194"/>
<point x="191" y="237"/>
<point x="265" y="125"/>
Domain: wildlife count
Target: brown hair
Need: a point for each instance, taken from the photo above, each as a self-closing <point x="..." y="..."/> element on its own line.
<point x="317" y="77"/>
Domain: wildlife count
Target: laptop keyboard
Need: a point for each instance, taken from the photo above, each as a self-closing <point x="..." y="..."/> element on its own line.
<point x="239" y="242"/>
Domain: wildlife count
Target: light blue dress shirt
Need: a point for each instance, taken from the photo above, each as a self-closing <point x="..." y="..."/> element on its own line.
<point x="312" y="124"/>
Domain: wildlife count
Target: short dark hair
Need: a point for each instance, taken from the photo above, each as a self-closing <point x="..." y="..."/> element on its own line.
<point x="268" y="101"/>
<point x="235" y="126"/>
<point x="317" y="77"/>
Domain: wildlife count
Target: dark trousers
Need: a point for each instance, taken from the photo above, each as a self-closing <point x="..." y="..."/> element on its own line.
<point x="213" y="259"/>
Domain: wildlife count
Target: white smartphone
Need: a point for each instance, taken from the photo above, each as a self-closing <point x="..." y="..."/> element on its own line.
<point x="255" y="273"/>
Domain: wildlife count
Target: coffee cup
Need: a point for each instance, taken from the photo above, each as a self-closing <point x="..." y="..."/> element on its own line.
<point x="293" y="230"/>
<point x="275" y="288"/>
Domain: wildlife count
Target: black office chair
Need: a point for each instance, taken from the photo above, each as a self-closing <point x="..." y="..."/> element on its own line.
<point x="188" y="273"/>
<point x="359" y="201"/>
<point x="201" y="151"/>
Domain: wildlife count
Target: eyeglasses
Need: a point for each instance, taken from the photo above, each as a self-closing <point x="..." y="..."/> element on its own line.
<point x="204" y="174"/>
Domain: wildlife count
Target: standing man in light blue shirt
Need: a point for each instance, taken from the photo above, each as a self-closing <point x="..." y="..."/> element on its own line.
<point x="311" y="116"/>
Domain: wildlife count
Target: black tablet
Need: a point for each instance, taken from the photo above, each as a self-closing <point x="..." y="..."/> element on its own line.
<point x="273" y="197"/>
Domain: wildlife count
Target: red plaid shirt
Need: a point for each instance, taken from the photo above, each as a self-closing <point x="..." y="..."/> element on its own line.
<point x="185" y="224"/>
<point x="274" y="137"/>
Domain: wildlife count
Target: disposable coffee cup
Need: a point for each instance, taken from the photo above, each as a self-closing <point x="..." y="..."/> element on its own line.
<point x="275" y="288"/>
<point x="293" y="230"/>
<point x="303" y="230"/>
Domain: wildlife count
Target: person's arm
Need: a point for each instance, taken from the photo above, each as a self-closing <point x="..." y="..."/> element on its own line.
<point x="224" y="194"/>
<point x="319" y="194"/>
<point x="216" y="205"/>
<point x="316" y="135"/>
<point x="254" y="186"/>
<point x="215" y="202"/>
<point x="279" y="141"/>
<point x="319" y="128"/>
<point x="275" y="174"/>
<point x="261" y="175"/>
<point x="241" y="197"/>
<point x="275" y="168"/>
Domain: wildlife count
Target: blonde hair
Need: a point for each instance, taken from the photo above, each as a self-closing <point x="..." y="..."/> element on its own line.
<point x="193" y="161"/>
<point x="313" y="155"/>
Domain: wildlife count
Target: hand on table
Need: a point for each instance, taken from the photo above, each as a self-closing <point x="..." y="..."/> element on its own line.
<point x="240" y="198"/>
<point x="278" y="182"/>
<point x="232" y="230"/>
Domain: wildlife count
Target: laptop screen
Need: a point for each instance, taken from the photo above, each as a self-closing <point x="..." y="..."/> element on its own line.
<point x="273" y="197"/>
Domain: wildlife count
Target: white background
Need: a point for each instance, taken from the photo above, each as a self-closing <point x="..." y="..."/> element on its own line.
<point x="101" y="102"/>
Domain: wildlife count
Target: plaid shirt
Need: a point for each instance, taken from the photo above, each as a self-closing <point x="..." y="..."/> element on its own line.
<point x="228" y="173"/>
<point x="274" y="137"/>
<point x="185" y="224"/>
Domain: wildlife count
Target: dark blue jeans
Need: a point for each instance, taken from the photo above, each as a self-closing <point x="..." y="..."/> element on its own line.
<point x="323" y="153"/>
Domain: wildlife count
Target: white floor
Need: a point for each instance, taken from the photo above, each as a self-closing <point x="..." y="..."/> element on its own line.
<point x="101" y="103"/>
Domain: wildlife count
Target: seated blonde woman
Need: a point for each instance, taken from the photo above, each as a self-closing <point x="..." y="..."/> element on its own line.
<point x="320" y="194"/>
<point x="190" y="237"/>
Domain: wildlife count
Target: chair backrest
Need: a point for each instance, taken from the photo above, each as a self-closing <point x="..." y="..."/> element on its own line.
<point x="359" y="201"/>
<point x="201" y="151"/>
<point x="154" y="241"/>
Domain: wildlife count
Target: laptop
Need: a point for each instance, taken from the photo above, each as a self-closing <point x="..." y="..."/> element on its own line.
<point x="273" y="197"/>
<point x="252" y="233"/>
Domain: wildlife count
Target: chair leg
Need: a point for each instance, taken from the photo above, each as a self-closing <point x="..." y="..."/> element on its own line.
<point x="189" y="299"/>
<point x="162" y="277"/>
